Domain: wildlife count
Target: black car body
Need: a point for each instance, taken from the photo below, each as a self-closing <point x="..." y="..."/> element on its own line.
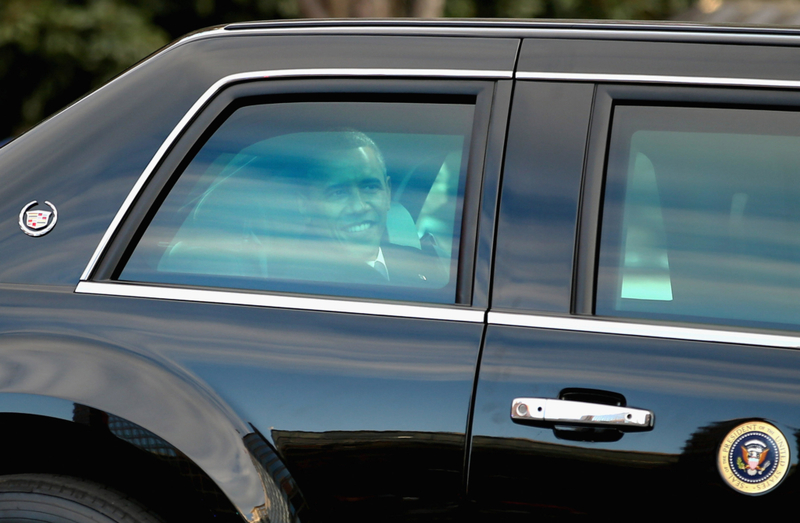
<point x="623" y="233"/>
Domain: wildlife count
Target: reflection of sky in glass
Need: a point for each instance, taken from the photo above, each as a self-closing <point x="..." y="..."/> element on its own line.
<point x="241" y="208"/>
<point x="710" y="227"/>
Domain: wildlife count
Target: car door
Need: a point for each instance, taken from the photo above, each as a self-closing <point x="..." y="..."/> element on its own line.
<point x="236" y="263"/>
<point x="641" y="353"/>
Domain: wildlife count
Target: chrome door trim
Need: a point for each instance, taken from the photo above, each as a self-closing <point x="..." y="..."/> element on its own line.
<point x="643" y="329"/>
<point x="262" y="75"/>
<point x="657" y="79"/>
<point x="132" y="290"/>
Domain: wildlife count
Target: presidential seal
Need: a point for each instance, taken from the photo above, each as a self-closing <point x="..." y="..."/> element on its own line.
<point x="37" y="222"/>
<point x="754" y="458"/>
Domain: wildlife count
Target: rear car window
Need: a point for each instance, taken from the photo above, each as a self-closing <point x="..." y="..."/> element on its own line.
<point x="701" y="220"/>
<point x="324" y="197"/>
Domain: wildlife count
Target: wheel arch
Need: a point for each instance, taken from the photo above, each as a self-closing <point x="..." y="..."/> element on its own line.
<point x="49" y="381"/>
<point x="110" y="451"/>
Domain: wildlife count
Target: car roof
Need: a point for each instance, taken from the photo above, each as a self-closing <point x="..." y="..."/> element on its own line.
<point x="650" y="30"/>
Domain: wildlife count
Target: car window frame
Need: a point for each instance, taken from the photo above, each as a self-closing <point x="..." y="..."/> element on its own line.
<point x="607" y="97"/>
<point x="210" y="111"/>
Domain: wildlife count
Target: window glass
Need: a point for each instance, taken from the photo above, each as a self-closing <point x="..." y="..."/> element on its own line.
<point x="701" y="216"/>
<point x="329" y="197"/>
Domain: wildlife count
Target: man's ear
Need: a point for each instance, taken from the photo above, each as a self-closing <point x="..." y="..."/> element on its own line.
<point x="389" y="186"/>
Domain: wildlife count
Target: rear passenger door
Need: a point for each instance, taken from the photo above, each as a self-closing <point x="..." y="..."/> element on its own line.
<point x="243" y="261"/>
<point x="641" y="347"/>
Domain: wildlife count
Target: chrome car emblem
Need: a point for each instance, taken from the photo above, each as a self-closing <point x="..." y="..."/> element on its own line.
<point x="754" y="458"/>
<point x="37" y="222"/>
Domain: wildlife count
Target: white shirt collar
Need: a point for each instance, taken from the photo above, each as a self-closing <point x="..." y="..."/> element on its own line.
<point x="378" y="259"/>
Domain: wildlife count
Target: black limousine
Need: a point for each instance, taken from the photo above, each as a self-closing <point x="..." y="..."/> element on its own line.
<point x="412" y="271"/>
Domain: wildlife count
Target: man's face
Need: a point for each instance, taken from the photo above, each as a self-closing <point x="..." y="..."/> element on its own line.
<point x="349" y="202"/>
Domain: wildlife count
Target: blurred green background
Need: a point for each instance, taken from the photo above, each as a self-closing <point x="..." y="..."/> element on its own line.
<point x="54" y="51"/>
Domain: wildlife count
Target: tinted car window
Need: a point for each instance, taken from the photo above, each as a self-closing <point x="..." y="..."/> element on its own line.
<point x="325" y="197"/>
<point x="701" y="218"/>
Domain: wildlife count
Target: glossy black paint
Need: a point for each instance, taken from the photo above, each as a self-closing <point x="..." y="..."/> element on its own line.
<point x="370" y="410"/>
<point x="639" y="56"/>
<point x="699" y="391"/>
<point x="541" y="190"/>
<point x="86" y="164"/>
<point x="125" y="379"/>
<point x="394" y="372"/>
<point x="96" y="445"/>
<point x="489" y="199"/>
<point x="304" y="415"/>
<point x="295" y="376"/>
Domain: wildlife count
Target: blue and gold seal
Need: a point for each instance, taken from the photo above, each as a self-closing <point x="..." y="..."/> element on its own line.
<point x="754" y="458"/>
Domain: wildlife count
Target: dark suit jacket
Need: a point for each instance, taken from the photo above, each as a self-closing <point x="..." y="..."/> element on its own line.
<point x="412" y="267"/>
<point x="407" y="267"/>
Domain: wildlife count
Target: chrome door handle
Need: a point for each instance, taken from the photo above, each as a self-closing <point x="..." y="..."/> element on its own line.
<point x="565" y="412"/>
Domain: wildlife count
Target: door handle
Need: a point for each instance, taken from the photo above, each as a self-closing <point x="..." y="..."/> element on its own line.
<point x="565" y="412"/>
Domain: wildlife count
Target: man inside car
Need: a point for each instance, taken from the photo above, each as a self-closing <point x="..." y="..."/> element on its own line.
<point x="346" y="202"/>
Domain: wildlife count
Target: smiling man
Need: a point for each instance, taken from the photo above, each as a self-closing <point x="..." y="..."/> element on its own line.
<point x="349" y="196"/>
<point x="346" y="203"/>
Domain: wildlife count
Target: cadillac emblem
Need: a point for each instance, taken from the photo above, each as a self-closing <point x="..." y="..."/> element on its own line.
<point x="754" y="458"/>
<point x="37" y="222"/>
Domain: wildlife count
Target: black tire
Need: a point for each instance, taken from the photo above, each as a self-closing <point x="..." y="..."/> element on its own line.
<point x="45" y="498"/>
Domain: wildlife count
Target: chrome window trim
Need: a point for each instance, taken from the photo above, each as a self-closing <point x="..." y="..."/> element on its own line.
<point x="269" y="74"/>
<point x="513" y="29"/>
<point x="598" y="326"/>
<point x="489" y="30"/>
<point x="658" y="79"/>
<point x="225" y="297"/>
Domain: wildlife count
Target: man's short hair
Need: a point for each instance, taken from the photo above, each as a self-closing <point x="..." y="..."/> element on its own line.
<point x="327" y="144"/>
<point x="298" y="158"/>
